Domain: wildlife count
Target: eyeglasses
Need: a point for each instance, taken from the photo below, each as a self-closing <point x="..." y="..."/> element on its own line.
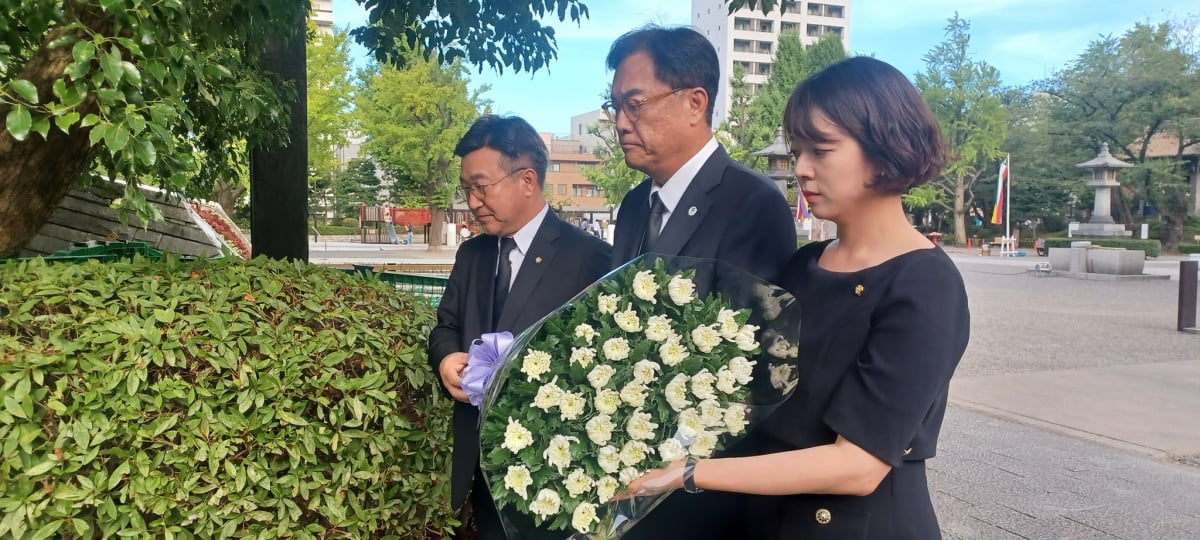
<point x="631" y="106"/>
<point x="464" y="191"/>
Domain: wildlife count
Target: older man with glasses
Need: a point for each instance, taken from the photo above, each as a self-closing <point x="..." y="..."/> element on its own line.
<point x="697" y="202"/>
<point x="526" y="263"/>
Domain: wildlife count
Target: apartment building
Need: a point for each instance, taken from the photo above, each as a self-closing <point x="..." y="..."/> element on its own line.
<point x="568" y="191"/>
<point x="322" y="14"/>
<point x="749" y="37"/>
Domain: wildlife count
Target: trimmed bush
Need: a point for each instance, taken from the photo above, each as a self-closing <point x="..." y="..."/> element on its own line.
<point x="220" y="398"/>
<point x="335" y="230"/>
<point x="1153" y="248"/>
<point x="1189" y="248"/>
<point x="350" y="222"/>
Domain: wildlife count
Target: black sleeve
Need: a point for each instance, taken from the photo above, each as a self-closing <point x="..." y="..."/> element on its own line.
<point x="765" y="241"/>
<point x="918" y="334"/>
<point x="446" y="336"/>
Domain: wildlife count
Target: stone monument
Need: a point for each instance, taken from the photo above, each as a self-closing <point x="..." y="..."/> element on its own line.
<point x="1104" y="179"/>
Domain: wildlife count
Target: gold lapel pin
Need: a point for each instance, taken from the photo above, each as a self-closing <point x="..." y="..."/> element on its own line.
<point x="859" y="290"/>
<point x="538" y="260"/>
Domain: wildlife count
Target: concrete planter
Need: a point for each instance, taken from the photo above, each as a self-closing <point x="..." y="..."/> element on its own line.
<point x="1121" y="262"/>
<point x="1060" y="258"/>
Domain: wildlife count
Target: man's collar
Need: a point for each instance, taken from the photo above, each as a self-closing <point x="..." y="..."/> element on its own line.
<point x="524" y="236"/>
<point x="673" y="189"/>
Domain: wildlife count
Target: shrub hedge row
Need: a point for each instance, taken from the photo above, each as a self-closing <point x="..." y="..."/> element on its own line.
<point x="1153" y="248"/>
<point x="1189" y="248"/>
<point x="216" y="399"/>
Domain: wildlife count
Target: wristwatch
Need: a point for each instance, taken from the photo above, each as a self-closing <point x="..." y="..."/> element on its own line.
<point x="689" y="472"/>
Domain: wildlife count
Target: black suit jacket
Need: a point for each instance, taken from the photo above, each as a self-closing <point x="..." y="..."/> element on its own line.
<point x="561" y="262"/>
<point x="740" y="217"/>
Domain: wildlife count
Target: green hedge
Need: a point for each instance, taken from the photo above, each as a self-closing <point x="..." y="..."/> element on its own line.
<point x="1189" y="248"/>
<point x="337" y="230"/>
<point x="1153" y="248"/>
<point x="220" y="398"/>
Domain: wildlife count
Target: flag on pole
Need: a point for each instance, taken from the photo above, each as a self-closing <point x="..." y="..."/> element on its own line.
<point x="802" y="211"/>
<point x="1001" y="188"/>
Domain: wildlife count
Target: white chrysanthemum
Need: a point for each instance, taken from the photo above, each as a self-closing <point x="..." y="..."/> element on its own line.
<point x="629" y="474"/>
<point x="745" y="339"/>
<point x="676" y="392"/>
<point x="616" y="349"/>
<point x="535" y="364"/>
<point x="782" y="348"/>
<point x="711" y="413"/>
<point x="645" y="287"/>
<point x="690" y="424"/>
<point x="578" y="483"/>
<point x="607" y="401"/>
<point x="600" y="375"/>
<point x="518" y="479"/>
<point x="607" y="303"/>
<point x="742" y="369"/>
<point x="735" y="418"/>
<point x="600" y="428"/>
<point x="634" y="394"/>
<point x="671" y="450"/>
<point x="558" y="454"/>
<point x="628" y="320"/>
<point x="726" y="381"/>
<point x="572" y="405"/>
<point x="585" y="332"/>
<point x="640" y="425"/>
<point x="584" y="356"/>
<point x="783" y="377"/>
<point x="658" y="328"/>
<point x="702" y="385"/>
<point x="673" y="352"/>
<point x="609" y="459"/>
<point x="634" y="453"/>
<point x="548" y="396"/>
<point x="682" y="290"/>
<point x="546" y="504"/>
<point x="646" y="371"/>
<point x="706" y="338"/>
<point x="583" y="517"/>
<point x="728" y="324"/>
<point x="606" y="487"/>
<point x="704" y="445"/>
<point x="516" y="437"/>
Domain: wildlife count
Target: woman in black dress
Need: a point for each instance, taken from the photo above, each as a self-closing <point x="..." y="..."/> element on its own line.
<point x="884" y="324"/>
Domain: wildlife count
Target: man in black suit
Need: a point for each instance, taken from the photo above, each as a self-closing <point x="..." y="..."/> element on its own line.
<point x="697" y="202"/>
<point x="527" y="263"/>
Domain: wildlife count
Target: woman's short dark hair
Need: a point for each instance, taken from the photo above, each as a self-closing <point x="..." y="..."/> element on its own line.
<point x="682" y="58"/>
<point x="878" y="106"/>
<point x="512" y="136"/>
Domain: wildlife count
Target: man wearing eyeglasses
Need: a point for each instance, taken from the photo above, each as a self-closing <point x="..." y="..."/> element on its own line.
<point x="526" y="263"/>
<point x="697" y="202"/>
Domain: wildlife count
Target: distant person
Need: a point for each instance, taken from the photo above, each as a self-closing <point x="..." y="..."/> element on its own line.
<point x="596" y="229"/>
<point x="525" y="263"/>
<point x="464" y="233"/>
<point x="697" y="202"/>
<point x="885" y="310"/>
<point x="408" y="233"/>
<point x="389" y="224"/>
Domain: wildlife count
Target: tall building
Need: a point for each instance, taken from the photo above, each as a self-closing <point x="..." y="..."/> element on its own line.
<point x="322" y="14"/>
<point x="749" y="37"/>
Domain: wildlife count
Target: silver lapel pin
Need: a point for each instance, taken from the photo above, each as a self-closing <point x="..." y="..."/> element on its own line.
<point x="692" y="211"/>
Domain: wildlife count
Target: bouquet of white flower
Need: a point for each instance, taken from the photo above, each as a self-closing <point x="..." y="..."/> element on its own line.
<point x="661" y="359"/>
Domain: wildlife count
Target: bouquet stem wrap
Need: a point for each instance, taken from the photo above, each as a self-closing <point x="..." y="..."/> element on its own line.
<point x="662" y="358"/>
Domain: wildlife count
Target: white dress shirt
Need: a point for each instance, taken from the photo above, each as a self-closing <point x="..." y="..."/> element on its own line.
<point x="524" y="239"/>
<point x="673" y="189"/>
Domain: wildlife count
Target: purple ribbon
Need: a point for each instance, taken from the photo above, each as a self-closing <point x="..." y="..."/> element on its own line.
<point x="483" y="358"/>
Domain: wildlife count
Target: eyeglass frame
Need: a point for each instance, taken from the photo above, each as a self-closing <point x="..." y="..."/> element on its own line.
<point x="610" y="107"/>
<point x="464" y="191"/>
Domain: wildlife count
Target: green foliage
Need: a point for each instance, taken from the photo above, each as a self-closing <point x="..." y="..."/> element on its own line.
<point x="355" y="184"/>
<point x="330" y="99"/>
<point x="611" y="175"/>
<point x="497" y="34"/>
<point x="964" y="95"/>
<point x="339" y="230"/>
<point x="1153" y="248"/>
<point x="1189" y="248"/>
<point x="221" y="398"/>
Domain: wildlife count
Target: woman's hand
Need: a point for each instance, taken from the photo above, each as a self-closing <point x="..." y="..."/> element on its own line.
<point x="654" y="482"/>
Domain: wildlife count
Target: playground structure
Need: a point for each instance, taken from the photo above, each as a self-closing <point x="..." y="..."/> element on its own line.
<point x="372" y="225"/>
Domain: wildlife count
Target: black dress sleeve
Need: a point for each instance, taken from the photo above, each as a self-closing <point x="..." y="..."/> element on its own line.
<point x="918" y="333"/>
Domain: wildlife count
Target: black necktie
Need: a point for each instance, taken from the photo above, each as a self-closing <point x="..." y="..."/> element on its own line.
<point x="654" y="225"/>
<point x="503" y="279"/>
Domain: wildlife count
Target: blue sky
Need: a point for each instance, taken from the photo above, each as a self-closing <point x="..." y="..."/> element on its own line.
<point x="1025" y="39"/>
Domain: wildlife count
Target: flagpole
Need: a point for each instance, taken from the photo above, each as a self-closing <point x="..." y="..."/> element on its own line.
<point x="1008" y="205"/>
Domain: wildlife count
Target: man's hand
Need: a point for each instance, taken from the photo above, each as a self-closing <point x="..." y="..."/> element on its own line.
<point x="451" y="370"/>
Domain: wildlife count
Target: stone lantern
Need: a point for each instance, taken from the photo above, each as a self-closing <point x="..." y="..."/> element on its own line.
<point x="779" y="161"/>
<point x="1104" y="179"/>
